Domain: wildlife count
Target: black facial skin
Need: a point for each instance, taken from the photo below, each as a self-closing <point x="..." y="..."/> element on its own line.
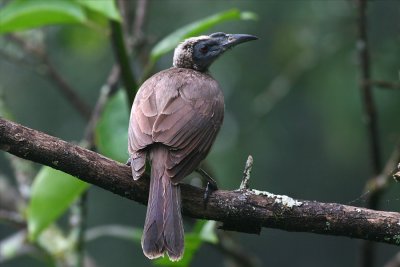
<point x="205" y="52"/>
<point x="208" y="50"/>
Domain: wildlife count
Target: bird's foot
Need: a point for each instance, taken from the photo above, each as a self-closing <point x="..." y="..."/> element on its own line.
<point x="210" y="187"/>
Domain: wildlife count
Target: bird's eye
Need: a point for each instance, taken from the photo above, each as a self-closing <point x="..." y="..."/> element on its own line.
<point x="204" y="49"/>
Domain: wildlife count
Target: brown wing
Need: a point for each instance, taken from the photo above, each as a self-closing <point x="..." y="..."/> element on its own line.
<point x="182" y="109"/>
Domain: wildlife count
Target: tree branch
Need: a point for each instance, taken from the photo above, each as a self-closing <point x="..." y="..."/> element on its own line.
<point x="245" y="211"/>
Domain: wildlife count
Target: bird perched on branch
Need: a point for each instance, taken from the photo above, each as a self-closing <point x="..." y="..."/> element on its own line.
<point x="175" y="118"/>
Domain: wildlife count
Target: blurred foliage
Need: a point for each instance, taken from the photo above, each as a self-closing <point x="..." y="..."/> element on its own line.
<point x="52" y="193"/>
<point x="112" y="129"/>
<point x="292" y="101"/>
<point x="26" y="14"/>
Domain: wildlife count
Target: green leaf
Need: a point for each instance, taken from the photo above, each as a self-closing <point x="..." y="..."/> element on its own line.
<point x="195" y="28"/>
<point x="52" y="193"/>
<point x="26" y="14"/>
<point x="105" y="7"/>
<point x="112" y="128"/>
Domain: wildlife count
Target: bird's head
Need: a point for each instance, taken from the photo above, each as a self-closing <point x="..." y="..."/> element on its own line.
<point x="199" y="53"/>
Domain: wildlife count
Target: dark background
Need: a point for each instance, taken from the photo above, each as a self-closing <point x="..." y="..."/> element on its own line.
<point x="292" y="101"/>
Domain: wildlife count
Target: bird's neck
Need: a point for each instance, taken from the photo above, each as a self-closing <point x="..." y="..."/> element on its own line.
<point x="193" y="69"/>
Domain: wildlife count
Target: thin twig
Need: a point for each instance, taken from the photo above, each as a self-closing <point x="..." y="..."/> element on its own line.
<point x="106" y="91"/>
<point x="246" y="173"/>
<point x="9" y="198"/>
<point x="236" y="254"/>
<point x="134" y="36"/>
<point x="381" y="182"/>
<point x="23" y="173"/>
<point x="385" y="84"/>
<point x="281" y="85"/>
<point x="370" y="115"/>
<point x="66" y="89"/>
<point x="140" y="19"/>
<point x="126" y="14"/>
<point x="367" y="255"/>
<point x="15" y="246"/>
<point x="396" y="176"/>
<point x="12" y="218"/>
<point x="52" y="73"/>
<point x="122" y="57"/>
<point x="118" y="231"/>
<point x="81" y="227"/>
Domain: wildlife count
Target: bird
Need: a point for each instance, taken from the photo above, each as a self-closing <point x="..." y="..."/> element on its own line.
<point x="174" y="120"/>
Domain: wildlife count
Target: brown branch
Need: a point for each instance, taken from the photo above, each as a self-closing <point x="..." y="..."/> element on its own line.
<point x="245" y="211"/>
<point x="235" y="254"/>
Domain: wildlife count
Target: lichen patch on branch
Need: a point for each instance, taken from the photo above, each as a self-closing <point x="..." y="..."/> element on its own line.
<point x="280" y="199"/>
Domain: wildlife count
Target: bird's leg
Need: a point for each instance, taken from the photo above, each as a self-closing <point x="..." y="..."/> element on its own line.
<point x="210" y="187"/>
<point x="211" y="183"/>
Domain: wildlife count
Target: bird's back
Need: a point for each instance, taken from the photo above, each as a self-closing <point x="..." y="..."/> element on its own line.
<point x="181" y="109"/>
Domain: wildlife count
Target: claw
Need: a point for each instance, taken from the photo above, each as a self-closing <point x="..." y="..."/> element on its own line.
<point x="210" y="187"/>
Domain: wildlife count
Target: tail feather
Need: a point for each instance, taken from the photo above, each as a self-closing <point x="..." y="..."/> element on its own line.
<point x="173" y="228"/>
<point x="163" y="229"/>
<point x="152" y="239"/>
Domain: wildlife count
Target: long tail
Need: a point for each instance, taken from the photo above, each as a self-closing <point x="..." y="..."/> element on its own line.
<point x="163" y="228"/>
